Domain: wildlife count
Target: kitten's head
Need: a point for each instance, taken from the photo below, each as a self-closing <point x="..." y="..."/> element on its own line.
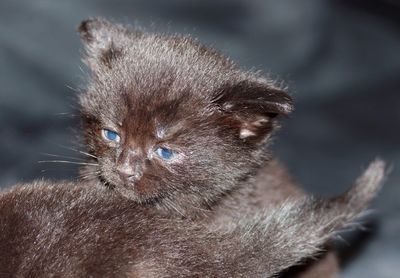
<point x="170" y="119"/>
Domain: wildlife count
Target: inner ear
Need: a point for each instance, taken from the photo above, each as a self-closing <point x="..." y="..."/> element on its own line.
<point x="255" y="105"/>
<point x="252" y="128"/>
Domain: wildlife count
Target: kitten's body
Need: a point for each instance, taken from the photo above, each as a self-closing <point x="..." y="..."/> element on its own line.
<point x="84" y="230"/>
<point x="171" y="91"/>
<point x="178" y="134"/>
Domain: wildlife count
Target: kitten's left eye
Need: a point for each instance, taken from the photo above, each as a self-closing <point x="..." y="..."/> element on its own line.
<point x="110" y="135"/>
<point x="164" y="153"/>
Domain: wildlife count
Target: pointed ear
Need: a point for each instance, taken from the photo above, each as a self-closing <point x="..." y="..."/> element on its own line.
<point x="103" y="40"/>
<point x="255" y="105"/>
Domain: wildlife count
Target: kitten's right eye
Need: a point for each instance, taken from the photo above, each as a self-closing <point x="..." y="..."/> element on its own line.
<point x="110" y="135"/>
<point x="165" y="153"/>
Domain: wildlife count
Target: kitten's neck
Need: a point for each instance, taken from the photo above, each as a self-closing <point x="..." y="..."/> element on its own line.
<point x="183" y="205"/>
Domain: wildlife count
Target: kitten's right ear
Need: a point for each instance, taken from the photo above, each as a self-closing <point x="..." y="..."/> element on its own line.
<point x="253" y="106"/>
<point x="103" y="40"/>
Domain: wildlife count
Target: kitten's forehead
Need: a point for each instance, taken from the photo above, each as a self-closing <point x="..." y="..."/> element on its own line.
<point x="151" y="63"/>
<point x="157" y="71"/>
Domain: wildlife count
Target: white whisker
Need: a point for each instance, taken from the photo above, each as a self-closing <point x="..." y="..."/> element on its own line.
<point x="72" y="89"/>
<point x="63" y="156"/>
<point x="90" y="176"/>
<point x="55" y="170"/>
<point x="76" y="150"/>
<point x="88" y="154"/>
<point x="66" y="115"/>
<point x="68" y="162"/>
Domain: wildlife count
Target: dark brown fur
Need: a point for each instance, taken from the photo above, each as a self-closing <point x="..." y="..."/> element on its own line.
<point x="216" y="210"/>
<point x="217" y="117"/>
<point x="70" y="229"/>
<point x="173" y="92"/>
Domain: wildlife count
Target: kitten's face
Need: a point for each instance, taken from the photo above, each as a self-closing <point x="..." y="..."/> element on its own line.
<point x="170" y="119"/>
<point x="156" y="147"/>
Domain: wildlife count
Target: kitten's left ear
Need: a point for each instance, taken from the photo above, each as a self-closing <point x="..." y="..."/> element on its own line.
<point x="254" y="105"/>
<point x="103" y="41"/>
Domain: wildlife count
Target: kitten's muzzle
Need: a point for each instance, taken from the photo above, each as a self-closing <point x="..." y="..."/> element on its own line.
<point x="128" y="175"/>
<point x="130" y="168"/>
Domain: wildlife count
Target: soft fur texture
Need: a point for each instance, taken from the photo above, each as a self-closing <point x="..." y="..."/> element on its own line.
<point x="171" y="91"/>
<point x="158" y="91"/>
<point x="76" y="229"/>
<point x="201" y="214"/>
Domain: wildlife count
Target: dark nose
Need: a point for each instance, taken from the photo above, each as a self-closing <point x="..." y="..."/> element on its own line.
<point x="130" y="166"/>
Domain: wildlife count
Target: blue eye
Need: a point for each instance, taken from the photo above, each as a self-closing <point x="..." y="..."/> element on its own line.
<point x="111" y="135"/>
<point x="164" y="153"/>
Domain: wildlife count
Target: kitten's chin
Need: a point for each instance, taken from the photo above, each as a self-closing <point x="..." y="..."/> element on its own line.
<point x="129" y="193"/>
<point x="138" y="197"/>
<point x="136" y="192"/>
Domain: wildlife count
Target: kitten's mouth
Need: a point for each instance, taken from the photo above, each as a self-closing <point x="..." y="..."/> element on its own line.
<point x="130" y="181"/>
<point x="116" y="183"/>
<point x="127" y="184"/>
<point x="127" y="189"/>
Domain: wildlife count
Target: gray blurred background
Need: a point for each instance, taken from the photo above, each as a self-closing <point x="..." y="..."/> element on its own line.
<point x="341" y="60"/>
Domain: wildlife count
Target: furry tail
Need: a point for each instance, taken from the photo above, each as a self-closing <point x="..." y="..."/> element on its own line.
<point x="297" y="230"/>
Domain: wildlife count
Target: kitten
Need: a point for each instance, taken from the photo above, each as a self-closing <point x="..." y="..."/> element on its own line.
<point x="78" y="229"/>
<point x="175" y="125"/>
